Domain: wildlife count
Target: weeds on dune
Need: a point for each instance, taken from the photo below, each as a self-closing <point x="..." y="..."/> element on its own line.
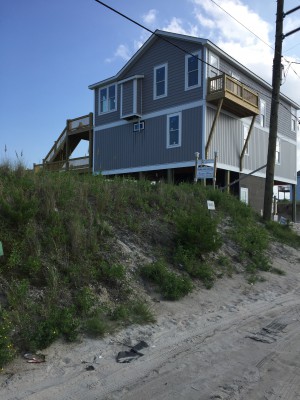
<point x="284" y="234"/>
<point x="58" y="232"/>
<point x="171" y="285"/>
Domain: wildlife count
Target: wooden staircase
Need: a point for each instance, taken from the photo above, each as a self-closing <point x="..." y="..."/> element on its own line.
<point x="59" y="156"/>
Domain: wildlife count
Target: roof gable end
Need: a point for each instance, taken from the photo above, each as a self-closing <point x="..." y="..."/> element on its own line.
<point x="167" y="36"/>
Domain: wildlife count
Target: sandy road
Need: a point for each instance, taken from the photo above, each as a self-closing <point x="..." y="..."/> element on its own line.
<point x="234" y="342"/>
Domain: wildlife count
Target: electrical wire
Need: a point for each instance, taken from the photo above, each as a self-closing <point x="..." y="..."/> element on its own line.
<point x="249" y="30"/>
<point x="182" y="49"/>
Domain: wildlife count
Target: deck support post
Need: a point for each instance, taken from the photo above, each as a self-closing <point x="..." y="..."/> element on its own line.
<point x="246" y="143"/>
<point x="213" y="126"/>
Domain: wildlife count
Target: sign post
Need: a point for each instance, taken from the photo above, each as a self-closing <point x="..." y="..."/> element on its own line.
<point x="206" y="169"/>
<point x="196" y="166"/>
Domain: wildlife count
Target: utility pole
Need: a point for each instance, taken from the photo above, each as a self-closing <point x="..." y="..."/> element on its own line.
<point x="276" y="80"/>
<point x="268" y="198"/>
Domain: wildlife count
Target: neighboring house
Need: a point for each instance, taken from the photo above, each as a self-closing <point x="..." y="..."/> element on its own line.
<point x="179" y="95"/>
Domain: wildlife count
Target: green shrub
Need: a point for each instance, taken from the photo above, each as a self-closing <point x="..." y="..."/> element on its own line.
<point x="253" y="241"/>
<point x="283" y="233"/>
<point x="7" y="349"/>
<point x="194" y="266"/>
<point x="197" y="231"/>
<point x="141" y="313"/>
<point x="111" y="273"/>
<point x="85" y="300"/>
<point x="226" y="265"/>
<point x="172" y="286"/>
<point x="96" y="326"/>
<point x="136" y="311"/>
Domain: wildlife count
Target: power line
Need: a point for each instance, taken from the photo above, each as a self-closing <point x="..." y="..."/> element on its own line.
<point x="181" y="49"/>
<point x="249" y="30"/>
<point x="244" y="26"/>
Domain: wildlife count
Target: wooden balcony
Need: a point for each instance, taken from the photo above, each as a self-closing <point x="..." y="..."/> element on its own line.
<point x="236" y="97"/>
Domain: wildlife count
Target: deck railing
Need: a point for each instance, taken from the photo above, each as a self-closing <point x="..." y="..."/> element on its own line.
<point x="218" y="86"/>
<point x="57" y="144"/>
<point x="80" y="122"/>
<point x="75" y="125"/>
<point x="74" y="164"/>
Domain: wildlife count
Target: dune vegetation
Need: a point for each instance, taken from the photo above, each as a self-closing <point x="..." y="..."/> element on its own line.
<point x="63" y="272"/>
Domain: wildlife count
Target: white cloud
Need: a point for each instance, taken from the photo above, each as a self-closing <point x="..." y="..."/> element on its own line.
<point x="176" y="25"/>
<point x="122" y="52"/>
<point x="150" y="17"/>
<point x="235" y="39"/>
<point x="229" y="27"/>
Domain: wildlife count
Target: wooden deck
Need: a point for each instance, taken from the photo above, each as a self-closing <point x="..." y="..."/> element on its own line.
<point x="237" y="97"/>
<point x="59" y="156"/>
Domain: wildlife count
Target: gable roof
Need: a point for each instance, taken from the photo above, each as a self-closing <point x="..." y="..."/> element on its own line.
<point x="149" y="42"/>
<point x="168" y="36"/>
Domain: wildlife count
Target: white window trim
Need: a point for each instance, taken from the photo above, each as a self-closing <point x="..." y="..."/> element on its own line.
<point x="244" y="195"/>
<point x="293" y="120"/>
<point x="213" y="71"/>
<point x="260" y="113"/>
<point x="245" y="127"/>
<point x="99" y="99"/>
<point x="278" y="153"/>
<point x="172" y="146"/>
<point x="155" y="97"/>
<point x="197" y="54"/>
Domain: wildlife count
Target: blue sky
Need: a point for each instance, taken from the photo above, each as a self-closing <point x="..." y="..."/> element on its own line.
<point x="51" y="50"/>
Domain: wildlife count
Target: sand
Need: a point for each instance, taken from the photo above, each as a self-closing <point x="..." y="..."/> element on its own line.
<point x="236" y="342"/>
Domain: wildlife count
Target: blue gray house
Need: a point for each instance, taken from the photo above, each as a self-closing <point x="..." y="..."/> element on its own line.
<point x="179" y="95"/>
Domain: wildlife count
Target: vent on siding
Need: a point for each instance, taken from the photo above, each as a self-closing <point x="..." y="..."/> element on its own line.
<point x="139" y="126"/>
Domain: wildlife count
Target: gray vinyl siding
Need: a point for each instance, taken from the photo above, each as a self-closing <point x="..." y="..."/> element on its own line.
<point x="287" y="169"/>
<point x="285" y="115"/>
<point x="108" y="117"/>
<point x="285" y="121"/>
<point x="118" y="148"/>
<point x="127" y="98"/>
<point x="228" y="140"/>
<point x="160" y="53"/>
<point x="139" y="96"/>
<point x="128" y="149"/>
<point x="164" y="53"/>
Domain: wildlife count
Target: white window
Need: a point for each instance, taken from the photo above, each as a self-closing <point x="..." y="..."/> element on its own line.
<point x="139" y="126"/>
<point x="192" y="70"/>
<point x="173" y="130"/>
<point x="246" y="131"/>
<point x="107" y="99"/>
<point x="244" y="196"/>
<point x="160" y="81"/>
<point x="263" y="113"/>
<point x="235" y="76"/>
<point x="294" y="120"/>
<point x="277" y="153"/>
<point x="213" y="65"/>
